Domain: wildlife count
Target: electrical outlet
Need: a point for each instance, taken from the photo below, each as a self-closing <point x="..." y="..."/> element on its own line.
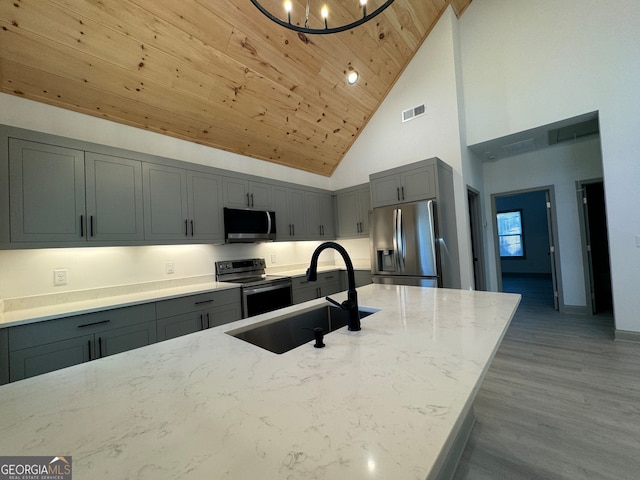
<point x="59" y="277"/>
<point x="170" y="268"/>
<point x="273" y="258"/>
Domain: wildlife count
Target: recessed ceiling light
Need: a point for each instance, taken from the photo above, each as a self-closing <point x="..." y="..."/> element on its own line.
<point x="352" y="77"/>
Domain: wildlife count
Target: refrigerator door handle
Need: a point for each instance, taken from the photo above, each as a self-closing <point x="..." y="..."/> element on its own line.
<point x="401" y="241"/>
<point x="434" y="240"/>
<point x="395" y="237"/>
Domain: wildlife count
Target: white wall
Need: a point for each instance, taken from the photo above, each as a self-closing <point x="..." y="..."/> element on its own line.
<point x="560" y="166"/>
<point x="386" y="142"/>
<point x="527" y="64"/>
<point x="30" y="272"/>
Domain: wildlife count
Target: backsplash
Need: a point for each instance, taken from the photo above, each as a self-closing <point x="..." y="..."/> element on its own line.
<point x="31" y="272"/>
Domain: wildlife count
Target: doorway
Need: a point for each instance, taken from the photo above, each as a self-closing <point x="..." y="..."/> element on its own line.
<point x="526" y="239"/>
<point x="595" y="245"/>
<point x="477" y="245"/>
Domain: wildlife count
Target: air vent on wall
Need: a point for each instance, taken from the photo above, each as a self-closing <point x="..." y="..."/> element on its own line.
<point x="519" y="147"/>
<point x="575" y="131"/>
<point x="414" y="112"/>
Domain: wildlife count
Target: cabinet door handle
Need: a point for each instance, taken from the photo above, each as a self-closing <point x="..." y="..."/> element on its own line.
<point x="398" y="192"/>
<point x="99" y="347"/>
<point x="329" y="277"/>
<point x="248" y="202"/>
<point x="93" y="323"/>
<point x="91" y="224"/>
<point x="186" y="227"/>
<point x="201" y="321"/>
<point x="89" y="344"/>
<point x="402" y="193"/>
<point x="290" y="230"/>
<point x="252" y="199"/>
<point x="201" y="302"/>
<point x="208" y="321"/>
<point x="192" y="228"/>
<point x="81" y="225"/>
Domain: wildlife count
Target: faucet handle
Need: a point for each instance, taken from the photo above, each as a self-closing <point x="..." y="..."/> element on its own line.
<point x="331" y="300"/>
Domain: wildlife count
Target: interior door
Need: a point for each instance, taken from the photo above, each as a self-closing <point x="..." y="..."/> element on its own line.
<point x="552" y="251"/>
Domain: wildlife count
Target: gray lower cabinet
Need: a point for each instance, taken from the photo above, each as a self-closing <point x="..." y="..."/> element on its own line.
<point x="362" y="278"/>
<point x="303" y="290"/>
<point x="184" y="315"/>
<point x="46" y="346"/>
<point x="4" y="356"/>
<point x="352" y="205"/>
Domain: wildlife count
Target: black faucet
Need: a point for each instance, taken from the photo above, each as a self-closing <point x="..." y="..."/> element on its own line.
<point x="351" y="304"/>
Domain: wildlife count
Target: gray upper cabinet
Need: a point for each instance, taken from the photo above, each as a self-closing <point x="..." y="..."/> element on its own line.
<point x="114" y="198"/>
<point x="165" y="202"/>
<point x="64" y="195"/>
<point x="352" y="205"/>
<point x="288" y="204"/>
<point x="182" y="205"/>
<point x="60" y="192"/>
<point x="320" y="218"/>
<point x="240" y="193"/>
<point x="47" y="193"/>
<point x="403" y="184"/>
<point x="205" y="206"/>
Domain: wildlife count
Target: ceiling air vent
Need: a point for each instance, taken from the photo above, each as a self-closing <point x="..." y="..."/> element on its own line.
<point x="414" y="112"/>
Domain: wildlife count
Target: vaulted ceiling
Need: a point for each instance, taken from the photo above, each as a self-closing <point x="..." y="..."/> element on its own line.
<point x="214" y="72"/>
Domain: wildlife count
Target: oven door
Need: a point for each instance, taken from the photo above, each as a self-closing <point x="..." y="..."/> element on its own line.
<point x="266" y="297"/>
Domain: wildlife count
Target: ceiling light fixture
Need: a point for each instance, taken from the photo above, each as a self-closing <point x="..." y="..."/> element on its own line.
<point x="352" y="77"/>
<point x="324" y="13"/>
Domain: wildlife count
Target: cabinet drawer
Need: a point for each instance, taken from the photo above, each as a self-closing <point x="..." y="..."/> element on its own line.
<point x="195" y="303"/>
<point x="42" y="333"/>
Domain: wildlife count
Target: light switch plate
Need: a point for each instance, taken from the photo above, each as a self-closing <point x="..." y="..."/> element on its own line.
<point x="170" y="268"/>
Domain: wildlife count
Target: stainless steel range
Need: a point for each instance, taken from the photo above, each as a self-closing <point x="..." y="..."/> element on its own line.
<point x="260" y="292"/>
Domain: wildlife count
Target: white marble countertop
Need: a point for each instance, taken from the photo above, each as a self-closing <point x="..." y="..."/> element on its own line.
<point x="24" y="310"/>
<point x="378" y="403"/>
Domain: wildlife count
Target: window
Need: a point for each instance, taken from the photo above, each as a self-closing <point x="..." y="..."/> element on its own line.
<point x="510" y="234"/>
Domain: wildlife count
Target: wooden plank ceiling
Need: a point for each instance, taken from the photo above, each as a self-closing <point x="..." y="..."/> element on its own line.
<point x="214" y="72"/>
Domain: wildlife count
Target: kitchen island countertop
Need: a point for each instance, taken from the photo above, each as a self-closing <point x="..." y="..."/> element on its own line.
<point x="383" y="402"/>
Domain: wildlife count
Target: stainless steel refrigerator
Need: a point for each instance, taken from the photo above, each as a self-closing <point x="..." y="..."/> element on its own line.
<point x="405" y="246"/>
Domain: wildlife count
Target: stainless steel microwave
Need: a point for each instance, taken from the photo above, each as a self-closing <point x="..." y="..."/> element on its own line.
<point x="249" y="226"/>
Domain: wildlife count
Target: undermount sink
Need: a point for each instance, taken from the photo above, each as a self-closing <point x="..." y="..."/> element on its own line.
<point x="285" y="333"/>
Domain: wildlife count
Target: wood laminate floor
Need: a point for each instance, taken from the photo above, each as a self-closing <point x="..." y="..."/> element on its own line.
<point x="561" y="399"/>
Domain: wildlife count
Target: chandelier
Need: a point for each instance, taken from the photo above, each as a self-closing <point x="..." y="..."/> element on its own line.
<point x="324" y="14"/>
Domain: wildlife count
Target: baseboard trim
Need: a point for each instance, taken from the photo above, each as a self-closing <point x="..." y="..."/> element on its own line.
<point x="575" y="310"/>
<point x="627" y="336"/>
